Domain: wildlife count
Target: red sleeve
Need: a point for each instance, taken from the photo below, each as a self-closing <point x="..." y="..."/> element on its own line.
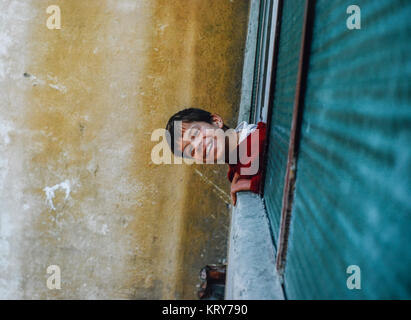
<point x="255" y="179"/>
<point x="255" y="183"/>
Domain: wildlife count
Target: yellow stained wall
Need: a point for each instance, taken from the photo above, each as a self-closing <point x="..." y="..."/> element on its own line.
<point x="78" y="106"/>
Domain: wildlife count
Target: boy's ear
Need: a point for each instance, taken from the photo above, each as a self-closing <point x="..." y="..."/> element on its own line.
<point x="217" y="120"/>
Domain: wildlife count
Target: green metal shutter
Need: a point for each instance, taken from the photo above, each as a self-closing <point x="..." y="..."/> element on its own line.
<point x="285" y="82"/>
<point x="352" y="202"/>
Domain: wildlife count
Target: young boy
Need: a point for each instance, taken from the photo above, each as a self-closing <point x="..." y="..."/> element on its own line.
<point x="197" y="134"/>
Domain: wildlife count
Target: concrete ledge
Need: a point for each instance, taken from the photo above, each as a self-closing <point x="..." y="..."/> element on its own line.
<point x="251" y="270"/>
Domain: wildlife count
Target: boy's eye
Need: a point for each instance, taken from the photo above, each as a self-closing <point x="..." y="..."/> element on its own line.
<point x="194" y="133"/>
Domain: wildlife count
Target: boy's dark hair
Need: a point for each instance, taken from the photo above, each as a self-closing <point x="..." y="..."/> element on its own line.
<point x="187" y="115"/>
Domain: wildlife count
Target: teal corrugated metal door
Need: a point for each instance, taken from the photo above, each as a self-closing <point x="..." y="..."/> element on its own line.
<point x="285" y="82"/>
<point x="352" y="203"/>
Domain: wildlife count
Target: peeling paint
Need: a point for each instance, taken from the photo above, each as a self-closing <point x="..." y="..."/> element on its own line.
<point x="58" y="87"/>
<point x="50" y="192"/>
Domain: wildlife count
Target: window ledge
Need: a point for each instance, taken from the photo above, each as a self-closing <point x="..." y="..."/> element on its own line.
<point x="251" y="272"/>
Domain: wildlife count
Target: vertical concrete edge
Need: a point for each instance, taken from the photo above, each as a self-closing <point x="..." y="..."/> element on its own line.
<point x="249" y="62"/>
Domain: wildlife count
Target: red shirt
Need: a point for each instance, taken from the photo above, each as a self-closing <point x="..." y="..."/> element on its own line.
<point x="254" y="157"/>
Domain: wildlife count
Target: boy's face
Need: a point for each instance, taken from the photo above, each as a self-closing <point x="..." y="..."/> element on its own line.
<point x="202" y="142"/>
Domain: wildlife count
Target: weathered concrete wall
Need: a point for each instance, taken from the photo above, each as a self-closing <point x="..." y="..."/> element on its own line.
<point x="77" y="108"/>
